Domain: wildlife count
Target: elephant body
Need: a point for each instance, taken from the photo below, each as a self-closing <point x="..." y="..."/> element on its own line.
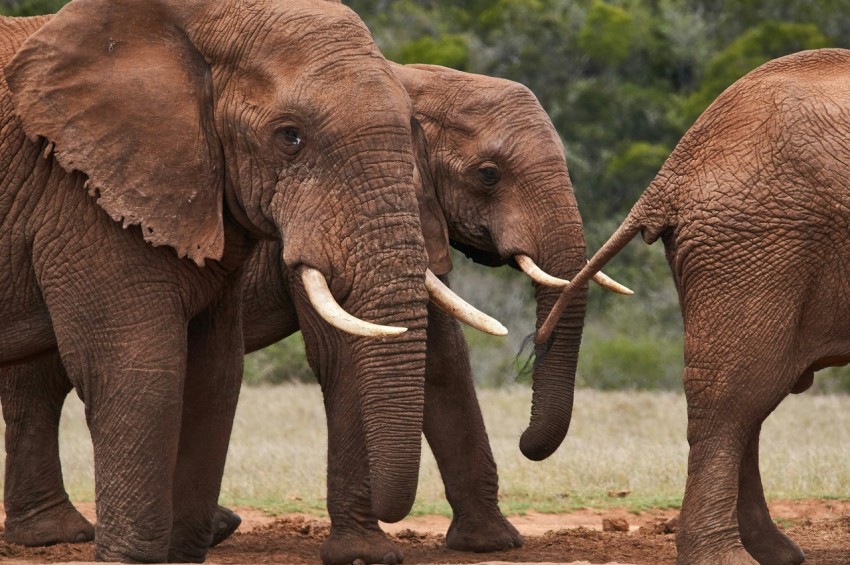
<point x="753" y="207"/>
<point x="134" y="130"/>
<point x="529" y="209"/>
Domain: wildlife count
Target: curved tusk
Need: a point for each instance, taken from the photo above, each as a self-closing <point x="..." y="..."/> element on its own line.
<point x="608" y="283"/>
<point x="538" y="275"/>
<point x="458" y="308"/>
<point x="326" y="306"/>
<point x="530" y="268"/>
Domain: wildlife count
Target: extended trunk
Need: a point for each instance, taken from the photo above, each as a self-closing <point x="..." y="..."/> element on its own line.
<point x="555" y="367"/>
<point x="391" y="382"/>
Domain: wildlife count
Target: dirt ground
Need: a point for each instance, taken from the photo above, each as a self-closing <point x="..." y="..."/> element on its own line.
<point x="821" y="527"/>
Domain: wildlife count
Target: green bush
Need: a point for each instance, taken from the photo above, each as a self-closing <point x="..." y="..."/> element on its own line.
<point x="631" y="362"/>
<point x="607" y="33"/>
<point x="446" y="50"/>
<point x="285" y="361"/>
<point x="754" y="47"/>
<point x="31" y="7"/>
<point x="832" y="380"/>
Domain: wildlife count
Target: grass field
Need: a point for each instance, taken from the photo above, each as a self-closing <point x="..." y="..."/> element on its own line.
<point x="619" y="441"/>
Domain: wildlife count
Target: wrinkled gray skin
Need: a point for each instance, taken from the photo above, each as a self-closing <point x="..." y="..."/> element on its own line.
<point x="199" y="126"/>
<point x="470" y="122"/>
<point x="753" y="207"/>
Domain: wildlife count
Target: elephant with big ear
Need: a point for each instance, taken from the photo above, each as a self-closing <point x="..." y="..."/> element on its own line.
<point x="132" y="130"/>
<point x="753" y="207"/>
<point x="472" y="123"/>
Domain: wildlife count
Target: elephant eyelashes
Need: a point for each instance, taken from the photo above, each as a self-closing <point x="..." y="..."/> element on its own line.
<point x="489" y="175"/>
<point x="290" y="139"/>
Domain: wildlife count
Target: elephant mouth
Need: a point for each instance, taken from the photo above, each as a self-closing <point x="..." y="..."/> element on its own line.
<point x="486" y="258"/>
<point x="523" y="262"/>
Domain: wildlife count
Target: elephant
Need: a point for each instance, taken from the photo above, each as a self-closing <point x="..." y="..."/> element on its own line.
<point x="464" y="116"/>
<point x="147" y="148"/>
<point x="752" y="207"/>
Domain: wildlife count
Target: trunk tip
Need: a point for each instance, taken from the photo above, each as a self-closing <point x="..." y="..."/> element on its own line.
<point x="391" y="511"/>
<point x="536" y="447"/>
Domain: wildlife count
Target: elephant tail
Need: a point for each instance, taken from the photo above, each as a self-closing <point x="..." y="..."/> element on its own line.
<point x="650" y="215"/>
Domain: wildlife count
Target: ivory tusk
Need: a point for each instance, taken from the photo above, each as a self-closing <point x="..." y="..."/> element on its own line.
<point x="530" y="268"/>
<point x="458" y="308"/>
<point x="538" y="275"/>
<point x="326" y="306"/>
<point x="608" y="283"/>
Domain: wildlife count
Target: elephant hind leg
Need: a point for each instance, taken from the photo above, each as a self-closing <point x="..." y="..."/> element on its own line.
<point x="724" y="414"/>
<point x="38" y="511"/>
<point x="762" y="539"/>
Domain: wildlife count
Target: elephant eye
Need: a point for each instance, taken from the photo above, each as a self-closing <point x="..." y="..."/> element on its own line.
<point x="290" y="139"/>
<point x="489" y="174"/>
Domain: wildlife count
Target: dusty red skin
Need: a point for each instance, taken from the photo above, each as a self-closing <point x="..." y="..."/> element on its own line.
<point x="175" y="120"/>
<point x="503" y="125"/>
<point x="752" y="207"/>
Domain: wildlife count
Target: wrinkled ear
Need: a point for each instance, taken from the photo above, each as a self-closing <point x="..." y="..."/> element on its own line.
<point x="434" y="227"/>
<point x="126" y="98"/>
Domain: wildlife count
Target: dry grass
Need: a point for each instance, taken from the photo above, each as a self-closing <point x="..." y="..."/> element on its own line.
<point x="619" y="441"/>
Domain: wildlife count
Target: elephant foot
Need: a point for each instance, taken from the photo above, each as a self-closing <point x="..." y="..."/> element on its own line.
<point x="61" y="523"/>
<point x="187" y="547"/>
<point x="225" y="522"/>
<point x="128" y="550"/>
<point x="187" y="554"/>
<point x="482" y="535"/>
<point x="360" y="547"/>
<point x="735" y="556"/>
<point x="774" y="548"/>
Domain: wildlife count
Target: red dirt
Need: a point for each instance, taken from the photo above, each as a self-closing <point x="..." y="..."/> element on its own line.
<point x="821" y="527"/>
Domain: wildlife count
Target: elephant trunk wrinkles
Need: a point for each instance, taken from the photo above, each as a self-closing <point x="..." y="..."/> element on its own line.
<point x="388" y="288"/>
<point x="555" y="369"/>
<point x="391" y="383"/>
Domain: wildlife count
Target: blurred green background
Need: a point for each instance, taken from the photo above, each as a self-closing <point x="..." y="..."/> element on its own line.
<point x="622" y="81"/>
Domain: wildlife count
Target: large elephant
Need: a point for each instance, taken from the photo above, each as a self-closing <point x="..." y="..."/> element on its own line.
<point x="753" y="207"/>
<point x="202" y="126"/>
<point x="497" y="168"/>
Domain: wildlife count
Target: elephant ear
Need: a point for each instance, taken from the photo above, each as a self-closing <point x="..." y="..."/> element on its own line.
<point x="434" y="227"/>
<point x="126" y="99"/>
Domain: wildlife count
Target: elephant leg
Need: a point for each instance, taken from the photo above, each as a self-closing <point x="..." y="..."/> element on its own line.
<point x="762" y="539"/>
<point x="225" y="522"/>
<point x="38" y="511"/>
<point x="723" y="417"/>
<point x="131" y="381"/>
<point x="213" y="378"/>
<point x="454" y="428"/>
<point x="355" y="533"/>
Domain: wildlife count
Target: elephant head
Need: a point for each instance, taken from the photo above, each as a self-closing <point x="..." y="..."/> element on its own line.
<point x="502" y="181"/>
<point x="276" y="118"/>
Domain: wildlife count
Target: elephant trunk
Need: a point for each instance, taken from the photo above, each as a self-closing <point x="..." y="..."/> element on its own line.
<point x="388" y="288"/>
<point x="391" y="385"/>
<point x="555" y="368"/>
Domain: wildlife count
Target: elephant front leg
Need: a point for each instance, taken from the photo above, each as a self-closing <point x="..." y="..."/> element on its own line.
<point x="132" y="388"/>
<point x="762" y="539"/>
<point x="213" y="378"/>
<point x="455" y="431"/>
<point x="38" y="511"/>
<point x="355" y="533"/>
